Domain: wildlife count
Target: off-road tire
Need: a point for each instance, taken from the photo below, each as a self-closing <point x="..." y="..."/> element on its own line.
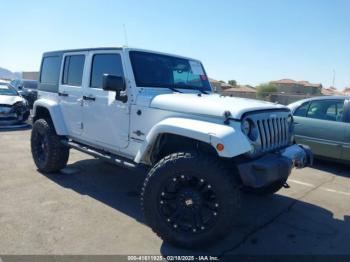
<point x="201" y="167"/>
<point x="48" y="152"/>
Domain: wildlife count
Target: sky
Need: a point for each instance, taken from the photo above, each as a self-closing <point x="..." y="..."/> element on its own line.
<point x="251" y="41"/>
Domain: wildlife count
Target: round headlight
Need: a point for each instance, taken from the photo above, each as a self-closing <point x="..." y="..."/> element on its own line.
<point x="246" y="127"/>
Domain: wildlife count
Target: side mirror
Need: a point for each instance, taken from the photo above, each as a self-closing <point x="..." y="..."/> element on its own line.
<point x="20" y="87"/>
<point x="113" y="83"/>
<point x="117" y="84"/>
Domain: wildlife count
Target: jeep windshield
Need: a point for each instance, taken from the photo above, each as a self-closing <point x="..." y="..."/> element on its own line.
<point x="156" y="70"/>
<point x="6" y="90"/>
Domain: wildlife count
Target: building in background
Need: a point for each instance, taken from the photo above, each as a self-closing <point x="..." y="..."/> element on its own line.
<point x="246" y="91"/>
<point x="30" y="75"/>
<point x="331" y="91"/>
<point x="218" y="86"/>
<point x="346" y="91"/>
<point x="289" y="86"/>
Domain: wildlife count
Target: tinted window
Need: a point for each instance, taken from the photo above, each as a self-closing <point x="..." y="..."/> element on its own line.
<point x="105" y="64"/>
<point x="331" y="110"/>
<point x="302" y="110"/>
<point x="50" y="70"/>
<point x="156" y="70"/>
<point x="7" y="90"/>
<point x="30" y="84"/>
<point x="73" y="70"/>
<point x="14" y="83"/>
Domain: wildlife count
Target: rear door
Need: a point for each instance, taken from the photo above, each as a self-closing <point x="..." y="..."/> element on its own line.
<point x="71" y="91"/>
<point x="320" y="125"/>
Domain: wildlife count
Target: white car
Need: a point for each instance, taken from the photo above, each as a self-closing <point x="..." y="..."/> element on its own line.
<point x="150" y="110"/>
<point x="13" y="107"/>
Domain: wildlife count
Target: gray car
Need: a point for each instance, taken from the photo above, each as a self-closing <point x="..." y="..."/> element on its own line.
<point x="323" y="123"/>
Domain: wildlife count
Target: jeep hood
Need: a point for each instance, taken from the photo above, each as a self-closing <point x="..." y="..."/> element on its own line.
<point x="210" y="105"/>
<point x="9" y="100"/>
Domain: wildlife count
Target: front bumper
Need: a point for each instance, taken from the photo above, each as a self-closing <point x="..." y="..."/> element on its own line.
<point x="14" y="116"/>
<point x="274" y="167"/>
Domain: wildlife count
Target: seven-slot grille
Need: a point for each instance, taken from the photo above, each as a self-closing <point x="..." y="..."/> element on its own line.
<point x="273" y="130"/>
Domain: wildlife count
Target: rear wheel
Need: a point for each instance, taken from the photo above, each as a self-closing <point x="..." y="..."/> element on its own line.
<point x="49" y="154"/>
<point x="190" y="200"/>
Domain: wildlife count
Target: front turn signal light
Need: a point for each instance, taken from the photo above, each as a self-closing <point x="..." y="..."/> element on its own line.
<point x="220" y="147"/>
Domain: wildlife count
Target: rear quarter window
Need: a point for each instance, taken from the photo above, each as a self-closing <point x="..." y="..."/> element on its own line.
<point x="49" y="73"/>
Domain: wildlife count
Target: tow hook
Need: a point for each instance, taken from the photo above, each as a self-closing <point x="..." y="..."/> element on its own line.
<point x="285" y="185"/>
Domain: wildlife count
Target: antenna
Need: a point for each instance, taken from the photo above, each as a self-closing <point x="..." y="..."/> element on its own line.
<point x="333" y="82"/>
<point x="125" y="35"/>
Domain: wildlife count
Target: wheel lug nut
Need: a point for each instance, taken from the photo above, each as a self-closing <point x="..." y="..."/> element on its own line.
<point x="202" y="228"/>
<point x="194" y="230"/>
<point x="161" y="202"/>
<point x="216" y="205"/>
<point x="182" y="176"/>
<point x="209" y="186"/>
<point x="163" y="193"/>
<point x="202" y="180"/>
<point x="168" y="220"/>
<point x="174" y="179"/>
<point x="175" y="225"/>
<point x="215" y="214"/>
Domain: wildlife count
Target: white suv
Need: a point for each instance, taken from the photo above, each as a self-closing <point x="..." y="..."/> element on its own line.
<point x="157" y="111"/>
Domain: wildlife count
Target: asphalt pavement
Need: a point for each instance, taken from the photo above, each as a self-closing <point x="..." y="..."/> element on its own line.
<point x="92" y="207"/>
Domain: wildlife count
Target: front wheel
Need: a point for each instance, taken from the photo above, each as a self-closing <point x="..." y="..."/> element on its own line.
<point x="190" y="200"/>
<point x="49" y="154"/>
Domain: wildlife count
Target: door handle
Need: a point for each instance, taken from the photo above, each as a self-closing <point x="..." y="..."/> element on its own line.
<point x="296" y="123"/>
<point x="62" y="94"/>
<point x="91" y="98"/>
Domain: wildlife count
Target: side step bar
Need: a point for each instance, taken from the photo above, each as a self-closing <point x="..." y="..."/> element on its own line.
<point x="111" y="158"/>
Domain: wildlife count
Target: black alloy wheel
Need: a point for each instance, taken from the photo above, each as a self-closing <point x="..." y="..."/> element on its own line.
<point x="189" y="204"/>
<point x="190" y="199"/>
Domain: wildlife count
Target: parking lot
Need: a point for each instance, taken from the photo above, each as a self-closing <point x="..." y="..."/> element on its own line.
<point x="92" y="207"/>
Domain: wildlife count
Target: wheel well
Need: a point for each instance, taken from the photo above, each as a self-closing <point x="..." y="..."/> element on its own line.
<point x="170" y="143"/>
<point x="42" y="112"/>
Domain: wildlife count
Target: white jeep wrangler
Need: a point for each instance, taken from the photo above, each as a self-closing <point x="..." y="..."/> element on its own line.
<point x="146" y="109"/>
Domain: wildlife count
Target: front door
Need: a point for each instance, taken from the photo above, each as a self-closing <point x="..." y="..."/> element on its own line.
<point x="106" y="120"/>
<point x="71" y="91"/>
<point x="322" y="127"/>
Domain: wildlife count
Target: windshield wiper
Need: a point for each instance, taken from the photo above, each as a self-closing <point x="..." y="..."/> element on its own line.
<point x="202" y="91"/>
<point x="193" y="88"/>
<point x="174" y="89"/>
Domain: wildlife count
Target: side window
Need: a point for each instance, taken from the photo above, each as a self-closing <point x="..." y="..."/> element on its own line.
<point x="50" y="70"/>
<point x="105" y="64"/>
<point x="73" y="70"/>
<point x="331" y="110"/>
<point x="335" y="111"/>
<point x="302" y="110"/>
